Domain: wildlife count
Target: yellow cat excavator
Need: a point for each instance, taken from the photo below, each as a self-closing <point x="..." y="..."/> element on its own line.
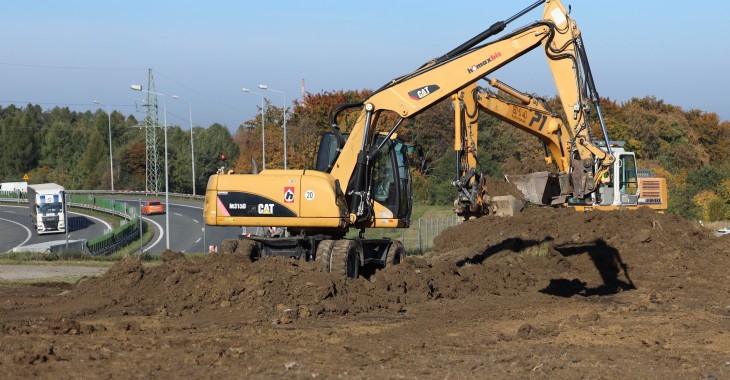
<point x="362" y="177"/>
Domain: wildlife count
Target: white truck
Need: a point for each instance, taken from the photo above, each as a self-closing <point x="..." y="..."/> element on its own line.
<point x="14" y="186"/>
<point x="47" y="202"/>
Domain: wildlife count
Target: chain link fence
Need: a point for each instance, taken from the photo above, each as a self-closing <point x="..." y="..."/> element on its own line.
<point x="419" y="237"/>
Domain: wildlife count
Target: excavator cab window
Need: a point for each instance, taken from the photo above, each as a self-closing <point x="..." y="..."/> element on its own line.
<point x="628" y="180"/>
<point x="629" y="184"/>
<point x="391" y="179"/>
<point x="327" y="152"/>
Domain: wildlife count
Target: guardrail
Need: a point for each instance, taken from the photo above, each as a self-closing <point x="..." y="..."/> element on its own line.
<point x="118" y="237"/>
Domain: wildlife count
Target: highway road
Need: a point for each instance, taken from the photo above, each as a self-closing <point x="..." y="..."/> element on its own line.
<point x="15" y="228"/>
<point x="188" y="233"/>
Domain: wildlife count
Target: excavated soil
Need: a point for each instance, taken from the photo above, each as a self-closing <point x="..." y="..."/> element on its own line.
<point x="550" y="293"/>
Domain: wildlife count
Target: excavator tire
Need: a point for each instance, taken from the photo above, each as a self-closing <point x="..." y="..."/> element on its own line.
<point x="345" y="259"/>
<point x="323" y="254"/>
<point x="248" y="248"/>
<point x="396" y="254"/>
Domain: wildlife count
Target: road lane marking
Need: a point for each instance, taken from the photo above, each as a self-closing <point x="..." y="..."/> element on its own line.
<point x="196" y="221"/>
<point x="24" y="227"/>
<point x="198" y="241"/>
<point x="188" y="206"/>
<point x="108" y="226"/>
<point x="162" y="233"/>
<point x="177" y="214"/>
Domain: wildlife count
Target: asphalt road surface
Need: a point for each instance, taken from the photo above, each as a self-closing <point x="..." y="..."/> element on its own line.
<point x="16" y="230"/>
<point x="188" y="233"/>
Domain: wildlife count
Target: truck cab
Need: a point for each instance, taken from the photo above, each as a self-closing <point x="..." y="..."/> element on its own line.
<point x="47" y="209"/>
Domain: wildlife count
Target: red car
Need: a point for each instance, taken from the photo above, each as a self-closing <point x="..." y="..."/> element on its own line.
<point x="152" y="207"/>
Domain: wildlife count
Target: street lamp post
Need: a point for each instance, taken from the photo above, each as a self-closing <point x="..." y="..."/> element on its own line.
<point x="265" y="87"/>
<point x="192" y="144"/>
<point x="111" y="162"/>
<point x="138" y="87"/>
<point x="263" y="135"/>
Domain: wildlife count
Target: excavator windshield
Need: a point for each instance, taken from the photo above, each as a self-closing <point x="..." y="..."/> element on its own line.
<point x="392" y="179"/>
<point x="628" y="181"/>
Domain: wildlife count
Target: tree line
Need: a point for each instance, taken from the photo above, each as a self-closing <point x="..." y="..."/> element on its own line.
<point x="72" y="149"/>
<point x="689" y="148"/>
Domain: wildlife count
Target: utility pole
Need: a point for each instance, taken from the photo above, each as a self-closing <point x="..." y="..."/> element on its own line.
<point x="150" y="124"/>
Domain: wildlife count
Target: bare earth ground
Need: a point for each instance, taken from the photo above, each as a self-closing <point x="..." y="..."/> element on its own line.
<point x="550" y="293"/>
<point x="29" y="272"/>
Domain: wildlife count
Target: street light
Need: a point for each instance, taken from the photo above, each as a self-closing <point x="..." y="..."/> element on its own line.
<point x="263" y="135"/>
<point x="111" y="162"/>
<point x="192" y="144"/>
<point x="265" y="87"/>
<point x="138" y="87"/>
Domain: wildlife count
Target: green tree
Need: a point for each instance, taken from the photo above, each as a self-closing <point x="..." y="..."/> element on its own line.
<point x="212" y="142"/>
<point x="94" y="164"/>
<point x="133" y="166"/>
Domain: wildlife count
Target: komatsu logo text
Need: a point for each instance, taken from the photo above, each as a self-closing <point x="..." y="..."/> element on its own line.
<point x="484" y="62"/>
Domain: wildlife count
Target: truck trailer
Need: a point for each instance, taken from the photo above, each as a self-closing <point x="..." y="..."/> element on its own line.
<point x="47" y="203"/>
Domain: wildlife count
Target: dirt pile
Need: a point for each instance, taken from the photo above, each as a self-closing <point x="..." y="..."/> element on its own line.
<point x="555" y="251"/>
<point x="549" y="293"/>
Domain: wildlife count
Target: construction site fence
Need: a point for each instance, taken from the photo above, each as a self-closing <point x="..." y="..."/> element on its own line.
<point x="419" y="238"/>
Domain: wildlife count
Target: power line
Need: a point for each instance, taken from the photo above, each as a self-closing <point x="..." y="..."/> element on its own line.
<point x="234" y="108"/>
<point x="61" y="104"/>
<point x="71" y="67"/>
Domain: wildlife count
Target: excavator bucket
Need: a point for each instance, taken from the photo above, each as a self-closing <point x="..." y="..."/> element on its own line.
<point x="538" y="188"/>
<point x="506" y="205"/>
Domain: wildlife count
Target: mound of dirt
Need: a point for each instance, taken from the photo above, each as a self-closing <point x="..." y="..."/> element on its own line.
<point x="559" y="251"/>
<point x="550" y="293"/>
<point x="498" y="187"/>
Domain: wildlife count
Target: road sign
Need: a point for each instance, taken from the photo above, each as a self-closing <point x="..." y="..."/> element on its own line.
<point x="25" y="177"/>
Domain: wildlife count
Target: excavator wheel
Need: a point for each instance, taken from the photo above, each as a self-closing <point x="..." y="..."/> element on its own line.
<point x="342" y="258"/>
<point x="323" y="254"/>
<point x="396" y="254"/>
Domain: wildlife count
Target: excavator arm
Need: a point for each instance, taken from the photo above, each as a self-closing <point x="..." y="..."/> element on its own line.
<point x="575" y="155"/>
<point x="456" y="73"/>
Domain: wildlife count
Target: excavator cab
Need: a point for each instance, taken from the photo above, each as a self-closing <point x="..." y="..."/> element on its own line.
<point x="389" y="177"/>
<point x="620" y="186"/>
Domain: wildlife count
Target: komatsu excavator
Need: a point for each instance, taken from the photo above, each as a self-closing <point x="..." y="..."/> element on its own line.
<point x="577" y="157"/>
<point x="362" y="177"/>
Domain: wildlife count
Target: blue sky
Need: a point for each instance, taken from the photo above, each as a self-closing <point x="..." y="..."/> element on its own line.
<point x="69" y="53"/>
